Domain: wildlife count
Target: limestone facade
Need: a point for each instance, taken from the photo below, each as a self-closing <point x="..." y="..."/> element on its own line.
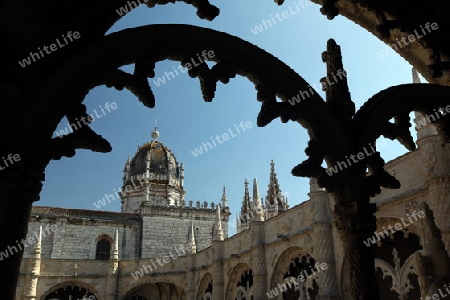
<point x="175" y="250"/>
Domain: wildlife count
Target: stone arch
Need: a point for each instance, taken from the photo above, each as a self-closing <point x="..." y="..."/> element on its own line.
<point x="395" y="259"/>
<point x="76" y="289"/>
<point x="240" y="271"/>
<point x="102" y="238"/>
<point x="294" y="263"/>
<point x="156" y="291"/>
<point x="130" y="284"/>
<point x="204" y="290"/>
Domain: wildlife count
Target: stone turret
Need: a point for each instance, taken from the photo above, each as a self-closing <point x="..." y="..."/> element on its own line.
<point x="224" y="198"/>
<point x="275" y="201"/>
<point x="246" y="210"/>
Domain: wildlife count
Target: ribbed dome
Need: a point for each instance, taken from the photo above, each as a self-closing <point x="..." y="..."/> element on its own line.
<point x="163" y="164"/>
<point x="153" y="177"/>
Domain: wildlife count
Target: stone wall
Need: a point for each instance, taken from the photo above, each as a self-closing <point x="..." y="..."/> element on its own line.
<point x="77" y="238"/>
<point x="167" y="228"/>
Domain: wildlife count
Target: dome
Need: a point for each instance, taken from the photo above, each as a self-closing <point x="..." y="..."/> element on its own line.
<point x="152" y="176"/>
<point x="156" y="163"/>
<point x="158" y="159"/>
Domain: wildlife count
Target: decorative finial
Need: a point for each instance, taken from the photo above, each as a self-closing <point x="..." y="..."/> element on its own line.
<point x="415" y="76"/>
<point x="116" y="245"/>
<point x="218" y="231"/>
<point x="224" y="197"/>
<point x="155" y="133"/>
<point x="193" y="245"/>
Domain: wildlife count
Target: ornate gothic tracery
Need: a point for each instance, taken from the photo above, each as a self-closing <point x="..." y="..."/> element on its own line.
<point x="204" y="291"/>
<point x="244" y="289"/>
<point x="70" y="291"/>
<point x="301" y="269"/>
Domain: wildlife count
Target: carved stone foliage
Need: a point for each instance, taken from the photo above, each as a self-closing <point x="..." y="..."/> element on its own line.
<point x="301" y="269"/>
<point x="396" y="265"/>
<point x="401" y="283"/>
<point x="294" y="262"/>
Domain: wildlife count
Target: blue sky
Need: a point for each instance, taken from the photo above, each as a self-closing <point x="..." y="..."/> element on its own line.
<point x="185" y="121"/>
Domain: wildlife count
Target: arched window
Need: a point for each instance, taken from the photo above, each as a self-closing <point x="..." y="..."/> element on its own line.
<point x="103" y="249"/>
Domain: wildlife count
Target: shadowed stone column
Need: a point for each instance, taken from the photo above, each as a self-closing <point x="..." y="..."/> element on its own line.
<point x="20" y="187"/>
<point x="323" y="242"/>
<point x="357" y="223"/>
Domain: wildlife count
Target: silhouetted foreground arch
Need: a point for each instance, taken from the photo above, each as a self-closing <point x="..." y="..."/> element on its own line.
<point x="333" y="130"/>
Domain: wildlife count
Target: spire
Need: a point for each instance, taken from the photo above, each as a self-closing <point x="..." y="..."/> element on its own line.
<point x="257" y="205"/>
<point x="193" y="245"/>
<point x="218" y="231"/>
<point x="274" y="192"/>
<point x="415" y="76"/>
<point x="224" y="197"/>
<point x="246" y="201"/>
<point x="126" y="170"/>
<point x="116" y="245"/>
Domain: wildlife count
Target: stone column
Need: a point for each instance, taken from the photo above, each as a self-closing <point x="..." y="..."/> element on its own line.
<point x="437" y="259"/>
<point x="19" y="190"/>
<point x="190" y="291"/>
<point x="258" y="260"/>
<point x="323" y="242"/>
<point x="35" y="270"/>
<point x="112" y="279"/>
<point x="438" y="199"/>
<point x="324" y="253"/>
<point x="357" y="223"/>
<point x="218" y="290"/>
